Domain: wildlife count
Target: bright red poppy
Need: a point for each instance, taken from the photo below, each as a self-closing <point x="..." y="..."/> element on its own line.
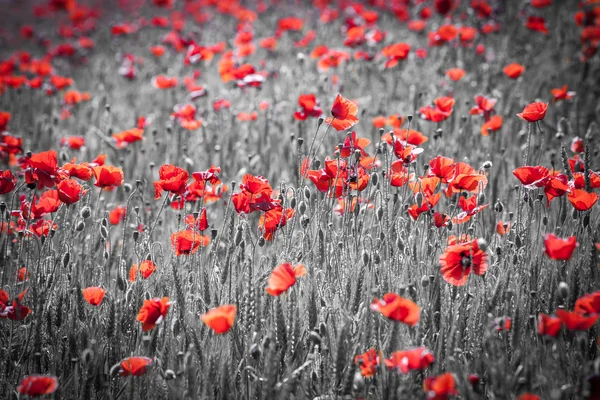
<point x="494" y="124"/>
<point x="534" y="112"/>
<point x="146" y="269"/>
<point x="577" y="321"/>
<point x="410" y="360"/>
<point x="582" y="200"/>
<point x="153" y="312"/>
<point x="164" y="82"/>
<point x="220" y="319"/>
<point x="172" y="179"/>
<point x="532" y="176"/>
<point x="283" y="277"/>
<point x="440" y="387"/>
<point x="368" y="362"/>
<point x="455" y="74"/>
<point x="588" y="304"/>
<point x="70" y="191"/>
<point x="93" y="295"/>
<point x="561" y="93"/>
<point x="558" y="248"/>
<point x="188" y="241"/>
<point x="513" y="70"/>
<point x="344" y="114"/>
<point x="458" y="260"/>
<point x="38" y="385"/>
<point x="134" y="366"/>
<point x="8" y="182"/>
<point x="397" y="308"/>
<point x="127" y="137"/>
<point x="108" y="176"/>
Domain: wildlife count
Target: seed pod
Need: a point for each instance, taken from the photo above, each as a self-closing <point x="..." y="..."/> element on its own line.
<point x="302" y="207"/>
<point x="483" y="244"/>
<point x="375" y="178"/>
<point x="261" y="241"/>
<point x="481" y="199"/>
<point x="314" y="337"/>
<point x="255" y="351"/>
<point x="80" y="226"/>
<point x="304" y="221"/>
<point x="307" y="193"/>
<point x="425" y="281"/>
<point x="545" y="220"/>
<point x="563" y="290"/>
<point x="238" y="237"/>
<point x="379" y="213"/>
<point x="498" y="207"/>
<point x="136" y="235"/>
<point x="365" y="257"/>
<point x="103" y="231"/>
<point x="293" y="203"/>
<point x="66" y="259"/>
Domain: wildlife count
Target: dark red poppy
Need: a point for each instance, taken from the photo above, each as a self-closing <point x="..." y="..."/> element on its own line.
<point x="588" y="304"/>
<point x="548" y="325"/>
<point x="38" y="385"/>
<point x="70" y="191"/>
<point x="532" y="176"/>
<point x="8" y="182"/>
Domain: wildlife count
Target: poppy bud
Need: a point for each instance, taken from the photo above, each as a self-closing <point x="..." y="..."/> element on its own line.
<point x="482" y="243"/>
<point x="85" y="212"/>
<point x="474" y="380"/>
<point x="409" y="117"/>
<point x="320" y="121"/>
<point x="376" y="258"/>
<point x="213" y="234"/>
<point x="380" y="213"/>
<point x="365" y="257"/>
<point x="425" y="281"/>
<point x="498" y="207"/>
<point x="255" y="351"/>
<point x="481" y="199"/>
<point x="307" y="193"/>
<point x="80" y="226"/>
<point x="238" y="236"/>
<point x="400" y="244"/>
<point x="358" y="383"/>
<point x="127" y="187"/>
<point x="449" y="225"/>
<point x="293" y="203"/>
<point x="381" y="132"/>
<point x="322" y="329"/>
<point x="419" y="199"/>
<point x="302" y="208"/>
<point x="103" y="231"/>
<point x="563" y="290"/>
<point x="374" y="178"/>
<point x="2" y="207"/>
<point x="66" y="259"/>
<point x="304" y="221"/>
<point x="586" y="220"/>
<point x="261" y="241"/>
<point x="86" y="356"/>
<point x="300" y="141"/>
<point x="518" y="242"/>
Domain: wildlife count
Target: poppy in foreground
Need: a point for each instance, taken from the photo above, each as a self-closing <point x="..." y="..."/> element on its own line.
<point x="108" y="177"/>
<point x="458" y="260"/>
<point x="153" y="312"/>
<point x="558" y="248"/>
<point x="397" y="308"/>
<point x="93" y="295"/>
<point x="344" y="114"/>
<point x="577" y="321"/>
<point x="172" y="179"/>
<point x="283" y="277"/>
<point x="368" y="362"/>
<point x="410" y="360"/>
<point x="38" y="385"/>
<point x="220" y="319"/>
<point x="440" y="387"/>
<point x="548" y="325"/>
<point x="134" y="366"/>
<point x="534" y="112"/>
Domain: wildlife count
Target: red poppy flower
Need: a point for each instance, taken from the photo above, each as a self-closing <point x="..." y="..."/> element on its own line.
<point x="134" y="366"/>
<point x="8" y="182"/>
<point x="164" y="82"/>
<point x="172" y="179"/>
<point x="270" y="221"/>
<point x="38" y="385"/>
<point x="458" y="260"/>
<point x="528" y="396"/>
<point x="549" y="326"/>
<point x="443" y="168"/>
<point x="534" y="112"/>
<point x="588" y="304"/>
<point x="502" y="228"/>
<point x="440" y="387"/>
<point x="394" y="53"/>
<point x="200" y="223"/>
<point x="187" y="242"/>
<point x="153" y="312"/>
<point x="532" y="176"/>
<point x="582" y="200"/>
<point x="47" y="203"/>
<point x="93" y="295"/>
<point x="397" y="308"/>
<point x="158" y="51"/>
<point x="561" y="93"/>
<point x="283" y="277"/>
<point x="146" y="269"/>
<point x="127" y="137"/>
<point x="4" y="118"/>
<point x="455" y="74"/>
<point x="23" y="274"/>
<point x="70" y="191"/>
<point x="368" y="362"/>
<point x="117" y="214"/>
<point x="308" y="107"/>
<point x="575" y="321"/>
<point x="74" y="142"/>
<point x="108" y="177"/>
<point x="220" y="319"/>
<point x="433" y="114"/>
<point x="44" y="169"/>
<point x="344" y="114"/>
<point x="538" y="24"/>
<point x="559" y="249"/>
<point x="16" y="311"/>
<point x="410" y="360"/>
<point x="502" y="324"/>
<point x="494" y="124"/>
<point x="513" y="70"/>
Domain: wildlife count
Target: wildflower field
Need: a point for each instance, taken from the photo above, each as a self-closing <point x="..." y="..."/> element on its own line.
<point x="285" y="199"/>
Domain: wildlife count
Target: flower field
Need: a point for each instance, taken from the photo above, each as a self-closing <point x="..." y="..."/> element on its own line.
<point x="285" y="199"/>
